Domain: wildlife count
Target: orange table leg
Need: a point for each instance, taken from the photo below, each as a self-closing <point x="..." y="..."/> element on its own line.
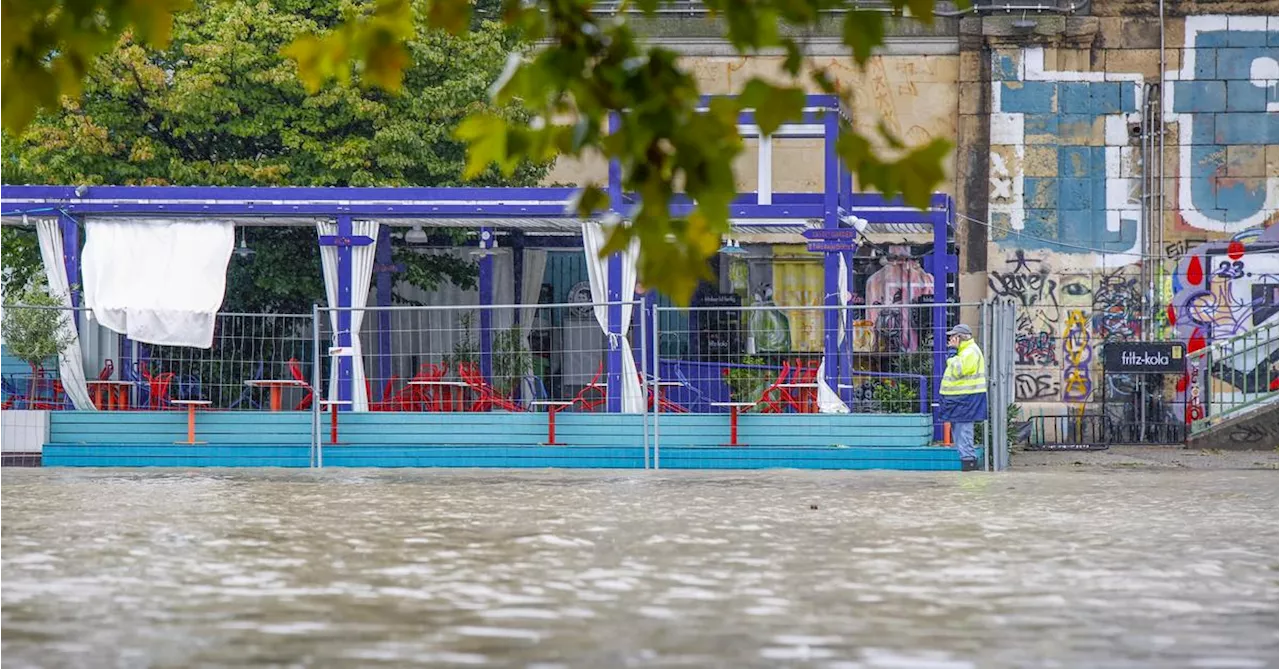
<point x="276" y="392"/>
<point x="191" y="426"/>
<point x="97" y="397"/>
<point x="946" y="434"/>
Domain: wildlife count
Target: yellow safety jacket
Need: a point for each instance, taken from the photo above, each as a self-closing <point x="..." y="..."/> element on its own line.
<point x="966" y="372"/>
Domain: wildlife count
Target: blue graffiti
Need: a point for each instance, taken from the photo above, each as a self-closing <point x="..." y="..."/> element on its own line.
<point x="1063" y="117"/>
<point x="1226" y="105"/>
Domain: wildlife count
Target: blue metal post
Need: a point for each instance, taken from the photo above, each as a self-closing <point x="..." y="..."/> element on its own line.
<point x="346" y="368"/>
<point x="343" y="242"/>
<point x="614" y="293"/>
<point x="486" y="302"/>
<point x="71" y="255"/>
<point x="846" y="316"/>
<point x="384" y="269"/>
<point x="939" y="266"/>
<point x="650" y="342"/>
<point x="831" y="260"/>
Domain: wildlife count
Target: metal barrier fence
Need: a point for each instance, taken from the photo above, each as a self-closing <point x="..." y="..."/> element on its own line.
<point x="774" y="359"/>
<point x="470" y="358"/>
<point x="256" y="362"/>
<point x="551" y="358"/>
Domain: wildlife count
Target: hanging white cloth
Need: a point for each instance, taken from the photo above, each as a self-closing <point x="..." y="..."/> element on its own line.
<point x="828" y="399"/>
<point x="159" y="281"/>
<point x="70" y="358"/>
<point x="594" y="237"/>
<point x="362" y="259"/>
<point x="533" y="269"/>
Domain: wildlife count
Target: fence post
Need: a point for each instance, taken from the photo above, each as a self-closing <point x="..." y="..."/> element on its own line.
<point x="647" y="376"/>
<point x="317" y="457"/>
<point x="987" y="315"/>
<point x="1004" y="379"/>
<point x="656" y="377"/>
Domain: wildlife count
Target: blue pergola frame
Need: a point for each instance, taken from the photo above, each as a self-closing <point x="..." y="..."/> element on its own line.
<point x="526" y="209"/>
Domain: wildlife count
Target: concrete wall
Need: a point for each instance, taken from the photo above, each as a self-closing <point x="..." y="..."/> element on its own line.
<point x="1064" y="193"/>
<point x="914" y="94"/>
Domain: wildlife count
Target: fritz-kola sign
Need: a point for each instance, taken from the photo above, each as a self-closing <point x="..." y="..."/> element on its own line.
<point x="1144" y="357"/>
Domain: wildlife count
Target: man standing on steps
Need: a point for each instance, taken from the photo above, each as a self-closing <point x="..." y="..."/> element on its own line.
<point x="964" y="392"/>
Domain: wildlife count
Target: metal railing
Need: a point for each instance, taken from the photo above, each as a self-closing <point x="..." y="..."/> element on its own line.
<point x="795" y="358"/>
<point x="1235" y="375"/>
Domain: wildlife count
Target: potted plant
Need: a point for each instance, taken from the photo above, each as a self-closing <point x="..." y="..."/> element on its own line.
<point x="746" y="384"/>
<point x="511" y="360"/>
<point x="36" y="329"/>
<point x="465" y="350"/>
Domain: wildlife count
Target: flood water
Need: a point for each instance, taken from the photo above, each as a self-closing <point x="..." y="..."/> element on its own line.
<point x="639" y="569"/>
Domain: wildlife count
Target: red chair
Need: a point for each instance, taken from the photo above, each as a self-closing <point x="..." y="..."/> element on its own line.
<point x="805" y="399"/>
<point x="775" y="398"/>
<point x="158" y="389"/>
<point x="295" y="370"/>
<point x="108" y="368"/>
<point x="487" y="397"/>
<point x="664" y="404"/>
<point x="389" y="402"/>
<point x="593" y="385"/>
<point x="429" y="399"/>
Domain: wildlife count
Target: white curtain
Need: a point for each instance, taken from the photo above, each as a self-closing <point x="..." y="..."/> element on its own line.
<point x="70" y="359"/>
<point x="533" y="269"/>
<point x="362" y="258"/>
<point x="828" y="399"/>
<point x="159" y="281"/>
<point x="594" y="237"/>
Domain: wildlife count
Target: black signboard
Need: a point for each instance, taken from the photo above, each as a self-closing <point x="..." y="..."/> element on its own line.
<point x="719" y="331"/>
<point x="1144" y="357"/>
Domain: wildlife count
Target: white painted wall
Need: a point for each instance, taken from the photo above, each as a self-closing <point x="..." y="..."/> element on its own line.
<point x="23" y="431"/>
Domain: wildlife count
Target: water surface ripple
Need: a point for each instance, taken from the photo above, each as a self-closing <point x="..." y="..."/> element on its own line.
<point x="546" y="569"/>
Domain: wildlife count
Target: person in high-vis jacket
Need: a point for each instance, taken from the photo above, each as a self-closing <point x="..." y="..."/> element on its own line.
<point x="964" y="392"/>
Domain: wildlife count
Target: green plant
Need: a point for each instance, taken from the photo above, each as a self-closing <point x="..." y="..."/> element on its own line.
<point x="37" y="328"/>
<point x="465" y="349"/>
<point x="1012" y="413"/>
<point x="746" y="384"/>
<point x="511" y="359"/>
<point x="896" y="396"/>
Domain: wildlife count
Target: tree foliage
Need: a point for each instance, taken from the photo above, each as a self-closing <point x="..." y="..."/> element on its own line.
<point x="39" y="329"/>
<point x="591" y="67"/>
<point x="221" y="106"/>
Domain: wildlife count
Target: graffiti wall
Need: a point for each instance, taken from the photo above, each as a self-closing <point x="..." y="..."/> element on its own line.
<point x="1066" y="199"/>
<point x="1064" y="174"/>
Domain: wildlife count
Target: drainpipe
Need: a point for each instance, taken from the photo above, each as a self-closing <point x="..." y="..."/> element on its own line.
<point x="1159" y="260"/>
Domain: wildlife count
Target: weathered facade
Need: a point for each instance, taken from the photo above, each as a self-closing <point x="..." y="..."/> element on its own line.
<point x="1115" y="169"/>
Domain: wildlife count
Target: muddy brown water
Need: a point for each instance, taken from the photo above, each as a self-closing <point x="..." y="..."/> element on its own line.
<point x="548" y="569"/>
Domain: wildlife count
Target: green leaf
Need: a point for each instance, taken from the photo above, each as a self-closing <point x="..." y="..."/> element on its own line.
<point x="921" y="10"/>
<point x="774" y="105"/>
<point x="450" y="15"/>
<point x="486" y="138"/>
<point x="591" y="200"/>
<point x="863" y="31"/>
